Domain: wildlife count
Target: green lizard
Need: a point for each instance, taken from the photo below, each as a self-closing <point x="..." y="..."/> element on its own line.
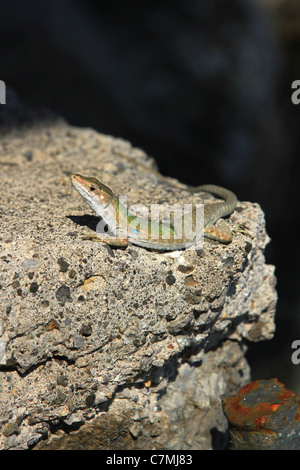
<point x="150" y="234"/>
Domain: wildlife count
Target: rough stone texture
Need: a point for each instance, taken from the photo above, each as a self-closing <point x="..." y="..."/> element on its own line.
<point x="264" y="415"/>
<point x="112" y="348"/>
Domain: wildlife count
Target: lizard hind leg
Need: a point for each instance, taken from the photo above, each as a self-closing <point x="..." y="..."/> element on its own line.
<point x="219" y="231"/>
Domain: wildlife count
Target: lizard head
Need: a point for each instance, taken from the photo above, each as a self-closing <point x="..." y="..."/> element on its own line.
<point x="95" y="193"/>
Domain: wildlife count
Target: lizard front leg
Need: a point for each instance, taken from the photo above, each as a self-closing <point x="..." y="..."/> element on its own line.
<point x="120" y="242"/>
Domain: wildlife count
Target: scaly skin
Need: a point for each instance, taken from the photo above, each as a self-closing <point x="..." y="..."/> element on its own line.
<point x="149" y="234"/>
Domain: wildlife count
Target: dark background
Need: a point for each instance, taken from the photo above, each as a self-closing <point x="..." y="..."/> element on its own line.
<point x="202" y="86"/>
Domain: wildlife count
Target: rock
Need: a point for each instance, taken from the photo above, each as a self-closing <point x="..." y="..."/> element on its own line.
<point x="103" y="335"/>
<point x="264" y="415"/>
<point x="9" y="428"/>
<point x="2" y="352"/>
<point x="75" y="418"/>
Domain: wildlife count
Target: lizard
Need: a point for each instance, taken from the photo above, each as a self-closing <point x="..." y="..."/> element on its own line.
<point x="140" y="231"/>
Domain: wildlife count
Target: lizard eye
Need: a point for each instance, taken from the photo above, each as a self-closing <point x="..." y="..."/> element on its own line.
<point x="92" y="188"/>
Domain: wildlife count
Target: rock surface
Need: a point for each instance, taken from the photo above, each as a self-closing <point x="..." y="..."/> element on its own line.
<point x="264" y="415"/>
<point x="111" y="348"/>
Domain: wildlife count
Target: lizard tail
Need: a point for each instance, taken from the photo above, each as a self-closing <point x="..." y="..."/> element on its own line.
<point x="230" y="199"/>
